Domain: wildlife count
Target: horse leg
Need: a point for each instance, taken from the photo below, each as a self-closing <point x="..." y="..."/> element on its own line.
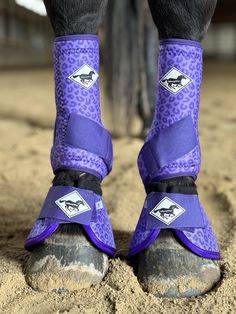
<point x="166" y="267"/>
<point x="70" y="258"/>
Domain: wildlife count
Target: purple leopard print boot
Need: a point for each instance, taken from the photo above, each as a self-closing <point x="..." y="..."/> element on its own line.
<point x="72" y="235"/>
<point x="173" y="244"/>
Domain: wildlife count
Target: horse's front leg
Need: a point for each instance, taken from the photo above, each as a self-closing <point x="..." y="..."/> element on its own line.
<point x="75" y="254"/>
<point x="167" y="267"/>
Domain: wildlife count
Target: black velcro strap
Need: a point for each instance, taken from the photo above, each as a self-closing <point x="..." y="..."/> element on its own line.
<point x="182" y="185"/>
<point x="78" y="179"/>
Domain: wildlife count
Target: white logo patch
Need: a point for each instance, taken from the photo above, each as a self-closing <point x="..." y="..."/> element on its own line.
<point x="99" y="205"/>
<point x="72" y="204"/>
<point x="167" y="211"/>
<point x="175" y="80"/>
<point x="86" y="76"/>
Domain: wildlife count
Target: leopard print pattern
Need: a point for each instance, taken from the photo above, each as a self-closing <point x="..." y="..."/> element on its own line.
<point x="171" y="108"/>
<point x="39" y="227"/>
<point x="100" y="225"/>
<point x="70" y="53"/>
<point x="202" y="238"/>
<point x="141" y="233"/>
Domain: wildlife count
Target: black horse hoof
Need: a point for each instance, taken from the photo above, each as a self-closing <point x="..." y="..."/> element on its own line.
<point x="66" y="261"/>
<point x="167" y="269"/>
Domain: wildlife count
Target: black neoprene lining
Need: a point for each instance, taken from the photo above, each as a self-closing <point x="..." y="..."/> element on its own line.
<point x="83" y="180"/>
<point x="182" y="185"/>
<point x="78" y="179"/>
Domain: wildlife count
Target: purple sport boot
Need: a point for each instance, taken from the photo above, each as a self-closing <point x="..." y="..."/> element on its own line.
<point x="173" y="245"/>
<point x="72" y="236"/>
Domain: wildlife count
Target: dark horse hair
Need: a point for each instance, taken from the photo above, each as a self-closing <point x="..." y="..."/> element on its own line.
<point x="69" y="17"/>
<point x="187" y="19"/>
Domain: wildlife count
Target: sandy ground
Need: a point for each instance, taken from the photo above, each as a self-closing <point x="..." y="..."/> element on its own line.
<point x="26" y="120"/>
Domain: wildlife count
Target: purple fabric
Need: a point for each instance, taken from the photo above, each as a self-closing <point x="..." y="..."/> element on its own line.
<point x="186" y="57"/>
<point x="51" y="210"/>
<point x="197" y="248"/>
<point x="168" y="145"/>
<point x="203" y="238"/>
<point x="181" y="42"/>
<point x="193" y="216"/>
<point x="89" y="135"/>
<point x="199" y="240"/>
<point x="41" y="230"/>
<point x="70" y="54"/>
<point x="95" y="221"/>
<point x="172" y="149"/>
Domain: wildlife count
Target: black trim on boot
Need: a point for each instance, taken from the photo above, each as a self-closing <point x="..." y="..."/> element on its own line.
<point x="183" y="185"/>
<point x="78" y="179"/>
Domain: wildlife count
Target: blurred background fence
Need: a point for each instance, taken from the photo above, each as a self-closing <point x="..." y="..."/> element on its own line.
<point x="25" y="35"/>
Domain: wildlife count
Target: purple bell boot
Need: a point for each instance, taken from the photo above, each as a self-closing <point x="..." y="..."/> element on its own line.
<point x="81" y="143"/>
<point x="172" y="150"/>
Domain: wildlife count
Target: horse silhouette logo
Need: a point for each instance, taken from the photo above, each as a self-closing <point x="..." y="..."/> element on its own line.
<point x="166" y="212"/>
<point x="85" y="78"/>
<point x="175" y="82"/>
<point x="71" y="206"/>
